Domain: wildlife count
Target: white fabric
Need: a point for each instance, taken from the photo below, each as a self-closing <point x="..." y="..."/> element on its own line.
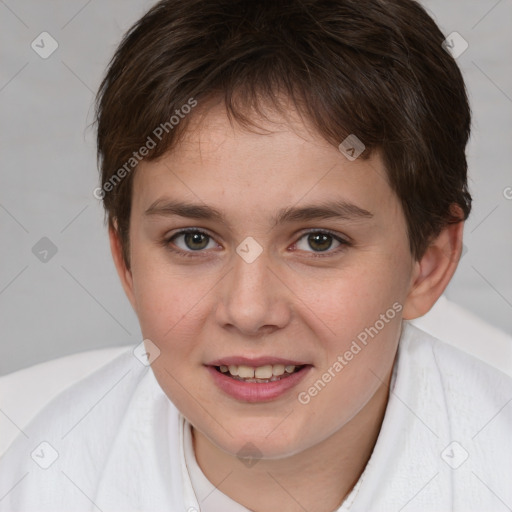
<point x="120" y="448"/>
<point x="461" y="328"/>
<point x="25" y="392"/>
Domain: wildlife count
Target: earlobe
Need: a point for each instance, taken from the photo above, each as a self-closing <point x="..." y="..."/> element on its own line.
<point x="124" y="273"/>
<point x="434" y="271"/>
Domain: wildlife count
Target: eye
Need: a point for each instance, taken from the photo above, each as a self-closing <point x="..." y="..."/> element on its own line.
<point x="320" y="242"/>
<point x="191" y="240"/>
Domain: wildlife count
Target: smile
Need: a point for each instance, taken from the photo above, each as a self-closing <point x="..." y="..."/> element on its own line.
<point x="261" y="381"/>
<point x="259" y="374"/>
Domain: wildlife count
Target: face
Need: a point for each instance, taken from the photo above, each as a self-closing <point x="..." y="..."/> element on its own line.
<point x="255" y="252"/>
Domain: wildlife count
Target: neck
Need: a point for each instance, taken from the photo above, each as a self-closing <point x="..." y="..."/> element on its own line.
<point x="318" y="478"/>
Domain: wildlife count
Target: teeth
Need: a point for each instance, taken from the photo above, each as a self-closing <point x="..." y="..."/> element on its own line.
<point x="266" y="372"/>
<point x="263" y="372"/>
<point x="246" y="372"/>
<point x="277" y="369"/>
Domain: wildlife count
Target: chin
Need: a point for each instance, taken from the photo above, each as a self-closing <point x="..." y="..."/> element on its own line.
<point x="258" y="438"/>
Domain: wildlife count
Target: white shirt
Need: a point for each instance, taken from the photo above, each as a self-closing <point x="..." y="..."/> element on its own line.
<point x="114" y="442"/>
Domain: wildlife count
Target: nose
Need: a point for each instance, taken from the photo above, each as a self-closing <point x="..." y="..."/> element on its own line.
<point x="253" y="300"/>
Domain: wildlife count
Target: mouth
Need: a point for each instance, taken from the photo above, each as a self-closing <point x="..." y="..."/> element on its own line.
<point x="257" y="380"/>
<point x="260" y="374"/>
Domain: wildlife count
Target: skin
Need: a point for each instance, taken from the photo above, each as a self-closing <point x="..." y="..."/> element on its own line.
<point x="287" y="303"/>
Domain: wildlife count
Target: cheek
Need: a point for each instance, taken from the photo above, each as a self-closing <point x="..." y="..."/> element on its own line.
<point x="168" y="301"/>
<point x="356" y="316"/>
<point x="171" y="315"/>
<point x="342" y="304"/>
<point x="358" y="360"/>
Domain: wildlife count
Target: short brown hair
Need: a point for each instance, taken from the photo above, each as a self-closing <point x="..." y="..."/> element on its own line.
<point x="373" y="68"/>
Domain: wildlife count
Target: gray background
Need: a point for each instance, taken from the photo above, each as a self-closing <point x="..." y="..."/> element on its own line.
<point x="73" y="301"/>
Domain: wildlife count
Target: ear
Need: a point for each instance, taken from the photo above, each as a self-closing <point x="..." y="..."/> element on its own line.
<point x="124" y="273"/>
<point x="433" y="271"/>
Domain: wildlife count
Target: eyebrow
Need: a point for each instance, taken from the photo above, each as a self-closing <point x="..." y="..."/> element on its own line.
<point x="326" y="210"/>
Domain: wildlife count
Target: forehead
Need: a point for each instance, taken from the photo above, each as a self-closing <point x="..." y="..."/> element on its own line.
<point x="279" y="162"/>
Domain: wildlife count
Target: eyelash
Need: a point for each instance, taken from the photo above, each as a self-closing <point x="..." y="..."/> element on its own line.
<point x="194" y="254"/>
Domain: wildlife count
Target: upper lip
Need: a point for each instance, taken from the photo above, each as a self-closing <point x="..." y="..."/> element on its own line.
<point x="254" y="361"/>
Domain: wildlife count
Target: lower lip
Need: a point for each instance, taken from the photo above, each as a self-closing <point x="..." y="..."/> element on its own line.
<point x="254" y="391"/>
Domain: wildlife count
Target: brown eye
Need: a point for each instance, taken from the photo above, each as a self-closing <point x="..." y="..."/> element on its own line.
<point x="320" y="241"/>
<point x="191" y="240"/>
<point x="196" y="241"/>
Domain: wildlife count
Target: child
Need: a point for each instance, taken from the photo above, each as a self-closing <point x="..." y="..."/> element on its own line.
<point x="285" y="187"/>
